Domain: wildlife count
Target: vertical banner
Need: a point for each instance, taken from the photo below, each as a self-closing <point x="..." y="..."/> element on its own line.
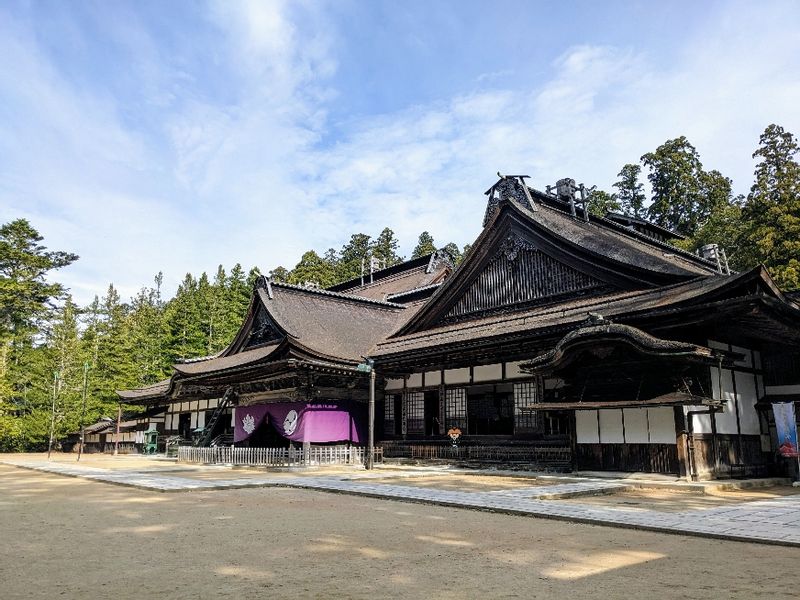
<point x="786" y="427"/>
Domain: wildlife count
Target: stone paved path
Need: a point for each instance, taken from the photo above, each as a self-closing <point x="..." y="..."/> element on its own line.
<point x="773" y="521"/>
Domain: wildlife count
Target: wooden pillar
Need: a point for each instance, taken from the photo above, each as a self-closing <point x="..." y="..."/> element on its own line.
<point x="682" y="441"/>
<point x="116" y="437"/>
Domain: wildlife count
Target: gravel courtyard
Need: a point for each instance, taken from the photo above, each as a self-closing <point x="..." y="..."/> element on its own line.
<point x="72" y="538"/>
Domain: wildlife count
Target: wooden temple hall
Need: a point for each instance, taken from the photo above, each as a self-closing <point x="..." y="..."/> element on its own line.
<point x="563" y="339"/>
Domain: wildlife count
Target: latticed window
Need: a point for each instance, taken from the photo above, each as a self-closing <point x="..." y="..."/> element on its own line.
<point x="456" y="408"/>
<point x="415" y="412"/>
<point x="526" y="396"/>
<point x="388" y="414"/>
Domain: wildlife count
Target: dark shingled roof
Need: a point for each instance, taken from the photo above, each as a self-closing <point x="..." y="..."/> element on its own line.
<point x="331" y="325"/>
<point x="562" y="315"/>
<point x="397" y="280"/>
<point x="149" y="391"/>
<point x="617" y="244"/>
<point x="628" y="220"/>
<point x="220" y="363"/>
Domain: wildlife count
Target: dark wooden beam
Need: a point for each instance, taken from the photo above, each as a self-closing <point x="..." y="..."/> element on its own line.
<point x="671" y="399"/>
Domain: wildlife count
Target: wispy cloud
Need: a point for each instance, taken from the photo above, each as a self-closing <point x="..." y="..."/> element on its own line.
<point x="228" y="150"/>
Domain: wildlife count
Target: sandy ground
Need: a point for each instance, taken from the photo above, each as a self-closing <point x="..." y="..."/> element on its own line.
<point x="467" y="483"/>
<point x="71" y="538"/>
<point x="680" y="501"/>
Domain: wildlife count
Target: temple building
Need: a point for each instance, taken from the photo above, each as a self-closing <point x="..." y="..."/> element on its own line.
<point x="564" y="339"/>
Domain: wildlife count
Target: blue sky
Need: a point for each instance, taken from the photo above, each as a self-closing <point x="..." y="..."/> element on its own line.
<point x="177" y="136"/>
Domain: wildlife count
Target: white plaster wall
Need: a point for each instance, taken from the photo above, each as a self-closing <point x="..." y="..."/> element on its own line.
<point x="586" y="426"/>
<point x="513" y="372"/>
<point x="394" y="384"/>
<point x="726" y="420"/>
<point x="433" y="378"/>
<point x="414" y="380"/>
<point x="611" y="426"/>
<point x="201" y="419"/>
<point x="233" y="417"/>
<point x="456" y="376"/>
<point x="746" y="392"/>
<point x="661" y="421"/>
<point x="213" y="403"/>
<point x="193" y="420"/>
<point x="636" y="425"/>
<point x="487" y="372"/>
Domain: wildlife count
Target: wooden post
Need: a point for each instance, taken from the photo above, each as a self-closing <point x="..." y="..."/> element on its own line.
<point x="83" y="409"/>
<point x="371" y="436"/>
<point x="53" y="415"/>
<point x="116" y="437"/>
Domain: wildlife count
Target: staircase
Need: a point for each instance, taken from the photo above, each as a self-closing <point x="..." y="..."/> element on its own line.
<point x="205" y="438"/>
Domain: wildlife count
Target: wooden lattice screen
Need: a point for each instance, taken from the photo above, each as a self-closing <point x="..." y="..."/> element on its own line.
<point x="456" y="408"/>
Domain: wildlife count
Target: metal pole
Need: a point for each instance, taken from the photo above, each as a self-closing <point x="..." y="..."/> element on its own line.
<point x="371" y="436"/>
<point x="116" y="437"/>
<point x="83" y="409"/>
<point x="53" y="415"/>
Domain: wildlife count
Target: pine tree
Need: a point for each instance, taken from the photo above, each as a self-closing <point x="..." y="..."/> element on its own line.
<point x="454" y="252"/>
<point x="424" y="245"/>
<point x="601" y="203"/>
<point x="384" y="248"/>
<point x="772" y="209"/>
<point x="352" y="257"/>
<point x="312" y="268"/>
<point x="630" y="192"/>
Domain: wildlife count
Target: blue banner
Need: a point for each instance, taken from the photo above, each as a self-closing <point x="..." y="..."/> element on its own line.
<point x="786" y="426"/>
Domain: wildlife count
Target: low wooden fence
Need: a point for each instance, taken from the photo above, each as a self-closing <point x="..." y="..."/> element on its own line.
<point x="546" y="457"/>
<point x="277" y="457"/>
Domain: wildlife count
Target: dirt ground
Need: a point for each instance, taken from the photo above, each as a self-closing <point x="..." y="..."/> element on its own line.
<point x="673" y="500"/>
<point x="467" y="483"/>
<point x="73" y="538"/>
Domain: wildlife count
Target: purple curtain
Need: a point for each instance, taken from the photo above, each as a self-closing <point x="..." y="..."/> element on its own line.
<point x="303" y="421"/>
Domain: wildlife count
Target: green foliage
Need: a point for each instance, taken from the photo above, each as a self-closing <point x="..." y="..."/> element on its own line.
<point x="675" y="177"/>
<point x="772" y="209"/>
<point x="24" y="265"/>
<point x="385" y="248"/>
<point x="352" y="256"/>
<point x="424" y="245"/>
<point x="454" y="252"/>
<point x="630" y="192"/>
<point x="312" y="268"/>
<point x="280" y="274"/>
<point x="601" y="203"/>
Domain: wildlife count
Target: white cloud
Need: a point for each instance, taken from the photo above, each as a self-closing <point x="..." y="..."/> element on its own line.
<point x="253" y="179"/>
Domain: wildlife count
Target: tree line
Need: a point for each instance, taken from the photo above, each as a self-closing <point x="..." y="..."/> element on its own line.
<point x="47" y="341"/>
<point x="760" y="228"/>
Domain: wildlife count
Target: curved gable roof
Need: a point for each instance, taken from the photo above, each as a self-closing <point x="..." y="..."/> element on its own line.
<point x="609" y="254"/>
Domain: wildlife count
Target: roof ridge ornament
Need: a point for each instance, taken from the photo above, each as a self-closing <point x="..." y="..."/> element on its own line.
<point x="512" y="245"/>
<point x="439" y="258"/>
<point x="508" y="187"/>
<point x="265" y="283"/>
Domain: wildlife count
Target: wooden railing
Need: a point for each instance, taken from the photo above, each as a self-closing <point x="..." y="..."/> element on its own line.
<point x="277" y="457"/>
